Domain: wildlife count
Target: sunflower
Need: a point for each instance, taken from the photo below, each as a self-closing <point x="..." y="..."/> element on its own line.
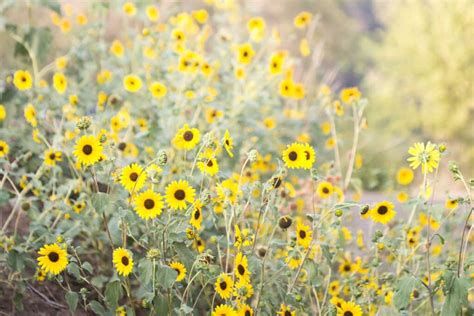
<point x="224" y="310"/>
<point x="325" y="189"/>
<point x="241" y="267"/>
<point x="224" y="286"/>
<point x="51" y="157"/>
<point x="349" y="309"/>
<point x="152" y="13"/>
<point x="450" y="204"/>
<point x="208" y="163"/>
<point x="382" y="212"/>
<point x="196" y="215"/>
<point x="60" y="82"/>
<point x="4" y="148"/>
<point x="53" y="259"/>
<point x="427" y="156"/>
<point x="157" y="89"/>
<point x="180" y="269"/>
<point x="302" y="19"/>
<point x="199" y="244"/>
<point x="148" y="204"/>
<point x="286" y="311"/>
<point x="178" y="193"/>
<point x="186" y="138"/>
<point x="243" y="290"/>
<point x="350" y="95"/>
<point x="245" y="54"/>
<point x="132" y="83"/>
<point x="88" y="150"/>
<point x="228" y="190"/>
<point x="347" y="267"/>
<point x="123" y="261"/>
<point x="294" y="156"/>
<point x="309" y="156"/>
<point x="405" y="176"/>
<point x="133" y="177"/>
<point x="334" y="288"/>
<point x="228" y="143"/>
<point x="30" y="115"/>
<point x="303" y="235"/>
<point x="129" y="9"/>
<point x="294" y="258"/>
<point x="22" y="80"/>
<point x="79" y="206"/>
<point x="245" y="310"/>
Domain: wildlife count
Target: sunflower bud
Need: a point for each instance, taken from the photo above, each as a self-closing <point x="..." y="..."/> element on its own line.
<point x="364" y="210"/>
<point x="315" y="175"/>
<point x="338" y="213"/>
<point x="442" y="148"/>
<point x="153" y="253"/>
<point x="162" y="158"/>
<point x="84" y="123"/>
<point x="252" y="155"/>
<point x="102" y="138"/>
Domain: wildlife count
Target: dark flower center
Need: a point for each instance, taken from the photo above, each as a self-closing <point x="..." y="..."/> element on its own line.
<point x="241" y="269"/>
<point x="210" y="163"/>
<point x="246" y="54"/>
<point x="133" y="176"/>
<point x="53" y="256"/>
<point x="125" y="261"/>
<point x="302" y="234"/>
<point x="188" y="136"/>
<point x="223" y="285"/>
<point x="52" y="156"/>
<point x="347" y="267"/>
<point x="149" y="204"/>
<point x="247" y="313"/>
<point x="1" y="148"/>
<point x="227" y="142"/>
<point x="179" y="195"/>
<point x="122" y="146"/>
<point x="293" y="156"/>
<point x="276" y="182"/>
<point x="348" y="313"/>
<point x="87" y="149"/>
<point x="287" y="313"/>
<point x="308" y="155"/>
<point x="382" y="210"/>
<point x="197" y="214"/>
<point x="325" y="190"/>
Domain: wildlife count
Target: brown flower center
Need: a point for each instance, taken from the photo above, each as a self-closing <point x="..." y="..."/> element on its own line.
<point x="241" y="269"/>
<point x="188" y="136"/>
<point x="133" y="176"/>
<point x="125" y="261"/>
<point x="223" y="285"/>
<point x="53" y="256"/>
<point x="382" y="210"/>
<point x="87" y="149"/>
<point x="197" y="214"/>
<point x="292" y="156"/>
<point x="179" y="195"/>
<point x="149" y="204"/>
<point x="302" y="234"/>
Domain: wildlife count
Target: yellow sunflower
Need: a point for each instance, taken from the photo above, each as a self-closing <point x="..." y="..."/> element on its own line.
<point x="178" y="193"/>
<point x="349" y="309"/>
<point x="224" y="286"/>
<point x="60" y="82"/>
<point x="133" y="177"/>
<point x="241" y="267"/>
<point x="180" y="269"/>
<point x="427" y="156"/>
<point x="325" y="189"/>
<point x="286" y="311"/>
<point x="148" y="204"/>
<point x="196" y="215"/>
<point x="451" y="204"/>
<point x="243" y="290"/>
<point x="228" y="143"/>
<point x="186" y="138"/>
<point x="245" y="310"/>
<point x="158" y="90"/>
<point x="88" y="150"/>
<point x="123" y="261"/>
<point x="199" y="244"/>
<point x="4" y="148"/>
<point x="208" y="163"/>
<point x="228" y="190"/>
<point x="245" y="54"/>
<point x="294" y="156"/>
<point x="51" y="157"/>
<point x="349" y="95"/>
<point x="224" y="310"/>
<point x="405" y="176"/>
<point x="382" y="212"/>
<point x="302" y="19"/>
<point x="303" y="235"/>
<point x="30" y="115"/>
<point x="334" y="288"/>
<point x="132" y="83"/>
<point x="22" y="80"/>
<point x="309" y="156"/>
<point x="53" y="259"/>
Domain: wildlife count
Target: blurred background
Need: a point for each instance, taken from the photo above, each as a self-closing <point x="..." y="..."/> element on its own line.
<point x="413" y="60"/>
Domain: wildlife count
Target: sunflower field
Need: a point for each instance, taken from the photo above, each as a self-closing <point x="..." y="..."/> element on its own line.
<point x="160" y="160"/>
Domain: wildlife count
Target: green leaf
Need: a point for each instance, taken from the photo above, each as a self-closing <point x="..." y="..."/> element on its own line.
<point x="72" y="298"/>
<point x="15" y="260"/>
<point x="113" y="292"/>
<point x="88" y="267"/>
<point x="145" y="268"/>
<point x="99" y="201"/>
<point x="404" y="288"/>
<point x="166" y="276"/>
<point x="441" y="238"/>
<point x="73" y="269"/>
<point x="52" y="4"/>
<point x="327" y="254"/>
<point x="456" y="291"/>
<point x="97" y="308"/>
